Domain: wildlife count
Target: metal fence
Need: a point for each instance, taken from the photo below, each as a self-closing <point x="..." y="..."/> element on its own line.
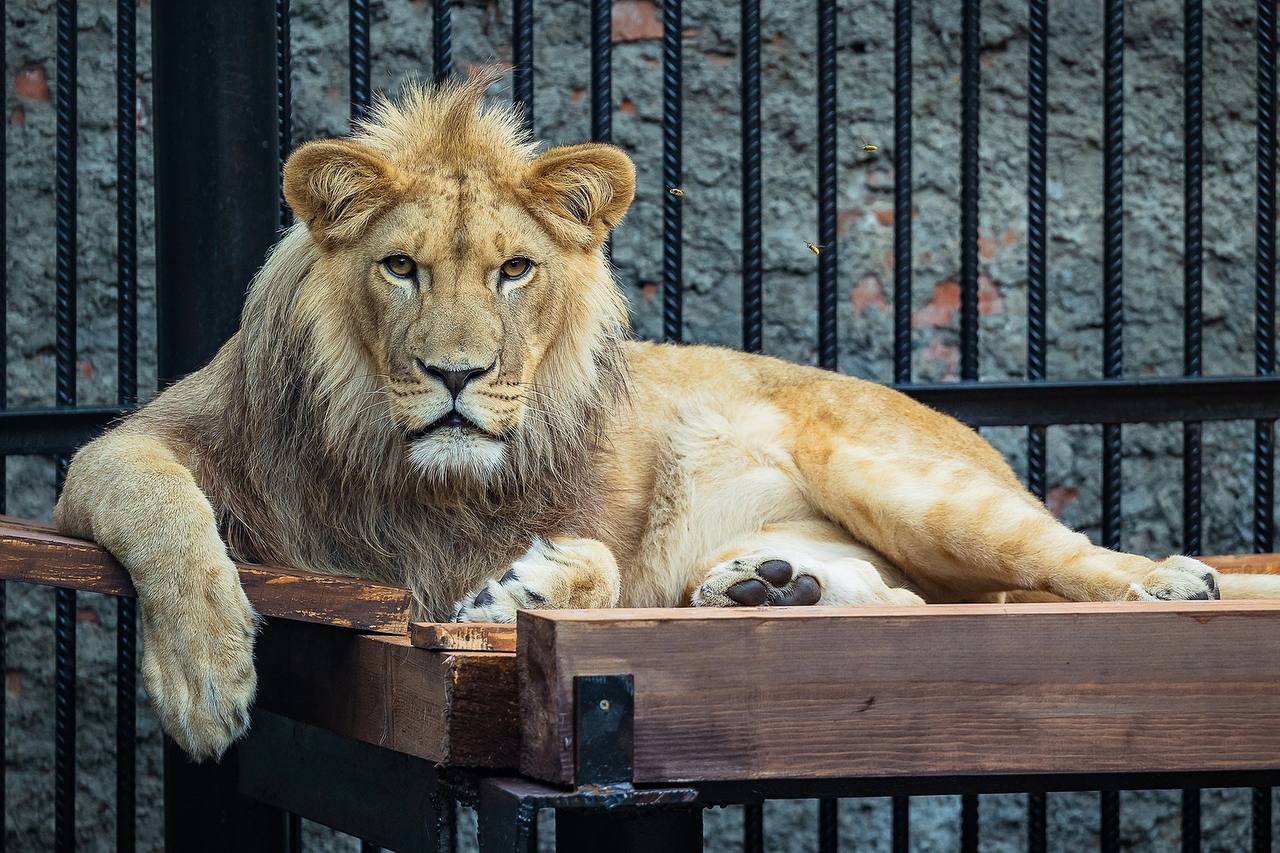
<point x="199" y="305"/>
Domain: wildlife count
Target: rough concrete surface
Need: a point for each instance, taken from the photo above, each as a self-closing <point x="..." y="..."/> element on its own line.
<point x="401" y="47"/>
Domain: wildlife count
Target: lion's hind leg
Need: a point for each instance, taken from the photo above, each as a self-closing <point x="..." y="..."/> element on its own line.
<point x="797" y="564"/>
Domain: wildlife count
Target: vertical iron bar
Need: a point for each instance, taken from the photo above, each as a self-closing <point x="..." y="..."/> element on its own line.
<point x="4" y="402"/>
<point x="828" y="826"/>
<point x="358" y="41"/>
<point x="672" y="104"/>
<point x="294" y="829"/>
<point x="970" y="48"/>
<point x="752" y="252"/>
<point x="1192" y="277"/>
<point x="1265" y="330"/>
<point x="602" y="70"/>
<point x="64" y="796"/>
<point x="522" y="57"/>
<point x="828" y="256"/>
<point x="442" y="39"/>
<point x="1037" y="804"/>
<point x="1037" y="237"/>
<point x="1113" y="317"/>
<point x="969" y="823"/>
<point x="127" y="394"/>
<point x="901" y="824"/>
<point x="753" y="828"/>
<point x="901" y="193"/>
<point x="284" y="100"/>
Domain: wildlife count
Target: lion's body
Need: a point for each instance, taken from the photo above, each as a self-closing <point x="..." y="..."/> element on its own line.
<point x="432" y="385"/>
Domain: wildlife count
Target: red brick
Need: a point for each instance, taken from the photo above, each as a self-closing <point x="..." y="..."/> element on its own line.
<point x="1059" y="498"/>
<point x="941" y="307"/>
<point x="32" y="84"/>
<point x="635" y="20"/>
<point x="868" y="292"/>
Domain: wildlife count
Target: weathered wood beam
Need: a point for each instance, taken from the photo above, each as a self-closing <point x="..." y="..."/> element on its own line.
<point x="36" y="553"/>
<point x="942" y="690"/>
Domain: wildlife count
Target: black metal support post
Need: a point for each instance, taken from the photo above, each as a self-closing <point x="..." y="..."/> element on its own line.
<point x="215" y="126"/>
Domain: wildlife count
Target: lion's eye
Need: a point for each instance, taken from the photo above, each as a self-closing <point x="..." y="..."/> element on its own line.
<point x="515" y="268"/>
<point x="400" y="266"/>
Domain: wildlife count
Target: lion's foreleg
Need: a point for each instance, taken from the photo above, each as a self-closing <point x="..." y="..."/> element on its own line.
<point x="131" y="494"/>
<point x="555" y="573"/>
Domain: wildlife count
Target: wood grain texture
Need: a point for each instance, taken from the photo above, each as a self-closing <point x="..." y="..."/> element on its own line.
<point x="454" y="708"/>
<point x="36" y="553"/>
<point x="939" y="690"/>
<point x="463" y="636"/>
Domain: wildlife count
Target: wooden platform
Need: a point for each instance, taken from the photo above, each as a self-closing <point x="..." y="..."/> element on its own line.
<point x="760" y="694"/>
<point x="940" y="690"/>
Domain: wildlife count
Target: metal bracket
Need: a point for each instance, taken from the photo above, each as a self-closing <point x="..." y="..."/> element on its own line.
<point x="603" y="725"/>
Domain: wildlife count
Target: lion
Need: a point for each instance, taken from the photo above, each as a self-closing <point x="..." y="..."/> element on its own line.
<point x="434" y="385"/>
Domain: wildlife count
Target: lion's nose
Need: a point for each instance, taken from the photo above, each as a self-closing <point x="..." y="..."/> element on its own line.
<point x="454" y="379"/>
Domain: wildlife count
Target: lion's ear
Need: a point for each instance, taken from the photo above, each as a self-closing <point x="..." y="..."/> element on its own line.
<point x="337" y="187"/>
<point x="582" y="191"/>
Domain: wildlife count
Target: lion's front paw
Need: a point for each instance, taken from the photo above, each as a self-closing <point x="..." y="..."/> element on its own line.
<point x="197" y="664"/>
<point x="1177" y="579"/>
<point x="529" y="584"/>
<point x="755" y="581"/>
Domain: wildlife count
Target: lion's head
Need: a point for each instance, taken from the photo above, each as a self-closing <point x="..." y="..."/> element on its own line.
<point x="451" y="285"/>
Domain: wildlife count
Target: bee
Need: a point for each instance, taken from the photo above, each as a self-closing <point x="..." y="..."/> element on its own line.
<point x="869" y="147"/>
<point x="815" y="248"/>
<point x="677" y="192"/>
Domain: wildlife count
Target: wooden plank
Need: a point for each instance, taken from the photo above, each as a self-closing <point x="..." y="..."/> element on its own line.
<point x="940" y="690"/>
<point x="1260" y="564"/>
<point x="36" y="553"/>
<point x="466" y="636"/>
<point x="455" y="708"/>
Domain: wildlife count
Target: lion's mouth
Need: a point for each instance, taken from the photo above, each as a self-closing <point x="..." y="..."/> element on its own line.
<point x="451" y="420"/>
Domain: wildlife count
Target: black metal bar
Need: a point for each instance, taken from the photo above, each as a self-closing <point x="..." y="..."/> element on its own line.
<point x="602" y="70"/>
<point x="752" y="234"/>
<point x="1190" y="820"/>
<point x="46" y="432"/>
<point x="1261" y="811"/>
<point x="284" y="99"/>
<point x="4" y="402"/>
<point x="1109" y="820"/>
<point x="522" y="57"/>
<point x="219" y="56"/>
<point x="442" y="39"/>
<point x="752" y="828"/>
<point x="294" y="829"/>
<point x="64" y="723"/>
<point x="629" y="831"/>
<point x="1192" y="341"/>
<point x="969" y="824"/>
<point x="673" y="192"/>
<point x="604" y="711"/>
<point x="828" y="825"/>
<point x="1112" y="256"/>
<point x="1265" y="329"/>
<point x="828" y="254"/>
<point x="970" y="48"/>
<point x="901" y="824"/>
<point x="216" y="55"/>
<point x="902" y="191"/>
<point x="1037" y="806"/>
<point x="1113" y="319"/>
<point x="1037" y="237"/>
<point x="358" y="41"/>
<point x="127" y="395"/>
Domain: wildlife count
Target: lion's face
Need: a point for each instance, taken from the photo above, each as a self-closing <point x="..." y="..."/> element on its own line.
<point x="473" y="281"/>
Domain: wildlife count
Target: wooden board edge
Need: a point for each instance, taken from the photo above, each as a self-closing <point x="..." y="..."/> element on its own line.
<point x="543" y="747"/>
<point x="470" y="637"/>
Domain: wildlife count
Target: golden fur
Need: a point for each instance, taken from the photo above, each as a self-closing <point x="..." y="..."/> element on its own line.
<point x="574" y="468"/>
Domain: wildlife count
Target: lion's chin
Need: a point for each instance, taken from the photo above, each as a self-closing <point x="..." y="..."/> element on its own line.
<point x="453" y="453"/>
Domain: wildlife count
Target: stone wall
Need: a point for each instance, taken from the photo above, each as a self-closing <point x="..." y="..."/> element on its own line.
<point x="401" y="43"/>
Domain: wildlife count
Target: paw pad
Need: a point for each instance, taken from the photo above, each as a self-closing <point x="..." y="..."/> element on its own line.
<point x="776" y="585"/>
